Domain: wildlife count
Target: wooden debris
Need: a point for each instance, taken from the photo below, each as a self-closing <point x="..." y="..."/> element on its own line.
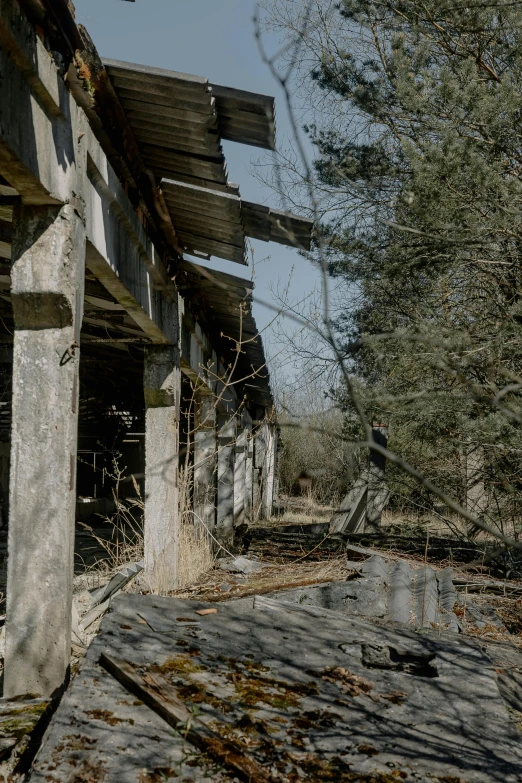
<point x="162" y="697"/>
<point x="245" y="591"/>
<point x="204" y="612"/>
<point x="487" y="586"/>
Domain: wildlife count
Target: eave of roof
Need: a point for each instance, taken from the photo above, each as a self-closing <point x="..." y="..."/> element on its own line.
<point x="179" y="121"/>
<point x="226" y="301"/>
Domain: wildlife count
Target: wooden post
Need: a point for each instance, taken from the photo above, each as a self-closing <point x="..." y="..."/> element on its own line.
<point x="47" y="279"/>
<point x="162" y="397"/>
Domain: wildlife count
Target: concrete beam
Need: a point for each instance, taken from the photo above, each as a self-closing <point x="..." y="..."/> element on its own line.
<point x="38" y="117"/>
<point x="162" y="400"/>
<point x="47" y="295"/>
<point x="119" y="252"/>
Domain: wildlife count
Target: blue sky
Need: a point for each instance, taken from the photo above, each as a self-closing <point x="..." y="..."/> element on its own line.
<point x="212" y="38"/>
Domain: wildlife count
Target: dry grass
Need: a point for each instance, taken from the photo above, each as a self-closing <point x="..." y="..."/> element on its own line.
<point x="125" y="545"/>
<point x="302" y="510"/>
<point x="272" y="577"/>
<point x="508" y="610"/>
<point x="196" y="556"/>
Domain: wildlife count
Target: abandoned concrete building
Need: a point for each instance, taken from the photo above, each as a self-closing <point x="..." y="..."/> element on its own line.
<point x="111" y="341"/>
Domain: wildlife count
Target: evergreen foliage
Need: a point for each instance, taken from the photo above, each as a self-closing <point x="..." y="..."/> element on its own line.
<point x="423" y="165"/>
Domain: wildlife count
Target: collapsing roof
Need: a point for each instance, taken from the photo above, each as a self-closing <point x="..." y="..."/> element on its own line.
<point x="179" y="122"/>
<point x="225" y="309"/>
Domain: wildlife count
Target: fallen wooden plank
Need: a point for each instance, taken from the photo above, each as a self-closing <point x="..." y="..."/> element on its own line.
<point x="487" y="586"/>
<point x="267" y="587"/>
<point x="163" y="699"/>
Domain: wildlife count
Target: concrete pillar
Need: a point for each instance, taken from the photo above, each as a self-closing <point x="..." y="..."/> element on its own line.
<point x="249" y="474"/>
<point x="47" y="283"/>
<point x="225" y="477"/>
<point x="268" y="470"/>
<point x="240" y="477"/>
<point x="162" y="397"/>
<point x="476" y="498"/>
<point x="256" y="493"/>
<point x="377" y="490"/>
<point x="205" y="462"/>
<point x="275" y="489"/>
<point x="259" y="447"/>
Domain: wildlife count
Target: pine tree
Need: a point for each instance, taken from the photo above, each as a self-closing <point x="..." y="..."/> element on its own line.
<point x="426" y="150"/>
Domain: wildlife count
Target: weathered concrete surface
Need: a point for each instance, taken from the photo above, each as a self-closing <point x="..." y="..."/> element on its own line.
<point x="309" y="693"/>
<point x="162" y="393"/>
<point x="205" y="461"/>
<point x="47" y="294"/>
<point x="267" y="503"/>
<point x="225" y="477"/>
<point x="249" y="474"/>
<point x="393" y="591"/>
<point x="240" y="476"/>
<point x="37" y="115"/>
<point x="119" y="252"/>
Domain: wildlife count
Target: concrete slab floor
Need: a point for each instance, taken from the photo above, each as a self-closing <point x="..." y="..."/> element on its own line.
<point x="309" y="693"/>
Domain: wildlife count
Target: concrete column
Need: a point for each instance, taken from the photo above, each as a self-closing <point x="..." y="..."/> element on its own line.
<point x="476" y="498"/>
<point x="240" y="477"/>
<point x="268" y="470"/>
<point x="162" y="396"/>
<point x="377" y="490"/>
<point x="256" y="494"/>
<point x="47" y="283"/>
<point x="225" y="476"/>
<point x="259" y="447"/>
<point x="249" y="474"/>
<point x="277" y="457"/>
<point x="205" y="462"/>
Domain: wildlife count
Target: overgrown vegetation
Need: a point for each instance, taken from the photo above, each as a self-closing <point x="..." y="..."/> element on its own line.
<point x="414" y="110"/>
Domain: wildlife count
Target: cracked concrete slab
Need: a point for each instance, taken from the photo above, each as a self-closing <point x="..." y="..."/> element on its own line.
<point x="312" y="694"/>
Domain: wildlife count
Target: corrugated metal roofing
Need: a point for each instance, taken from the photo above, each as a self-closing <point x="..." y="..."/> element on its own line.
<point x="226" y="302"/>
<point x="179" y="121"/>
